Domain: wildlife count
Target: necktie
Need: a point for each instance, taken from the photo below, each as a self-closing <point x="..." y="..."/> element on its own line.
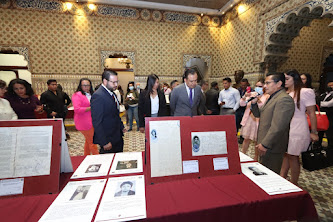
<point x="191" y="100"/>
<point x="116" y="100"/>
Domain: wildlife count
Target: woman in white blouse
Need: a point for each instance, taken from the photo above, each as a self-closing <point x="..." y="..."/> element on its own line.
<point x="6" y="111"/>
<point x="151" y="101"/>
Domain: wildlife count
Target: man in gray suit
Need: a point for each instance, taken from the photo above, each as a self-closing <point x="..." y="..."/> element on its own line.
<point x="186" y="98"/>
<point x="274" y="123"/>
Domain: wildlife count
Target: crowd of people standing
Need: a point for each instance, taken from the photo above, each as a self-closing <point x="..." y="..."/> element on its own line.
<point x="273" y="115"/>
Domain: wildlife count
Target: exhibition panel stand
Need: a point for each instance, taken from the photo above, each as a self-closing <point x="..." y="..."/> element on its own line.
<point x="33" y="150"/>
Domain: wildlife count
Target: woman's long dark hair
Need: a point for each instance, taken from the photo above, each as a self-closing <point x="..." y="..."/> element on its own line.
<point x="79" y="88"/>
<point x="298" y="84"/>
<point x="150" y="84"/>
<point x="130" y="82"/>
<point x="308" y="83"/>
<point x="28" y="89"/>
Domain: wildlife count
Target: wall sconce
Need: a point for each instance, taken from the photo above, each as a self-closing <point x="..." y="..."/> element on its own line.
<point x="241" y="9"/>
<point x="92" y="7"/>
<point x="125" y="61"/>
<point x="68" y="6"/>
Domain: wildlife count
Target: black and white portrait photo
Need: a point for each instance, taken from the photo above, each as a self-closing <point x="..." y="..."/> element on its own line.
<point x="94" y="168"/>
<point x="80" y="192"/>
<point x="126" y="188"/>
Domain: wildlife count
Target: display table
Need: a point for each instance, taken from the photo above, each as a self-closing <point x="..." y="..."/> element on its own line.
<point x="219" y="198"/>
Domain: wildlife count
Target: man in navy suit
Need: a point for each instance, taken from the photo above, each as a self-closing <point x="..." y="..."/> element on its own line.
<point x="108" y="126"/>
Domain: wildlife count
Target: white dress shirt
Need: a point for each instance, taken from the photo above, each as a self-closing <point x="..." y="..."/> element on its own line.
<point x="88" y="95"/>
<point x="154" y="104"/>
<point x="113" y="95"/>
<point x="231" y="97"/>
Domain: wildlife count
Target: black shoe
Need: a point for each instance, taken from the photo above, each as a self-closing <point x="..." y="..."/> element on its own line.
<point x="240" y="140"/>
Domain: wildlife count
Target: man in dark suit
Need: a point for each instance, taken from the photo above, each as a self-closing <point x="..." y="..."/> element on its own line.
<point x="108" y="126"/>
<point x="186" y="98"/>
<point x="212" y="96"/>
<point x="274" y="123"/>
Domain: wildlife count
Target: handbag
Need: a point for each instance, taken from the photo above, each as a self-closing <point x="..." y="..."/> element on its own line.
<point x="318" y="158"/>
<point x="322" y="120"/>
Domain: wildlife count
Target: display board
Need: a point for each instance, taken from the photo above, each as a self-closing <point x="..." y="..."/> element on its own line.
<point x="41" y="174"/>
<point x="191" y="147"/>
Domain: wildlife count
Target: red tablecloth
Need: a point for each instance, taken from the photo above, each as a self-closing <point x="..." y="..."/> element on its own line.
<point x="223" y="198"/>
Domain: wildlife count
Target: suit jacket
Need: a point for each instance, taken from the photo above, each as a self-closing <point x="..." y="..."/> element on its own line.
<point x="212" y="96"/>
<point x="105" y="118"/>
<point x="82" y="119"/>
<point x="145" y="106"/>
<point x="180" y="104"/>
<point x="274" y="123"/>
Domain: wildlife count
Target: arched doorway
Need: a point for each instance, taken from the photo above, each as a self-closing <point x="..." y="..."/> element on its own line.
<point x="281" y="31"/>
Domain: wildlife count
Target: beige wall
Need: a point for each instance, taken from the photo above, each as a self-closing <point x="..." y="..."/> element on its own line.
<point x="71" y="44"/>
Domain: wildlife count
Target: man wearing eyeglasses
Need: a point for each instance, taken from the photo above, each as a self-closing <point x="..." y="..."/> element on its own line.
<point x="108" y="126"/>
<point x="274" y="123"/>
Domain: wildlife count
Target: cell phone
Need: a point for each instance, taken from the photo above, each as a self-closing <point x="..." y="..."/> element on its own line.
<point x="248" y="89"/>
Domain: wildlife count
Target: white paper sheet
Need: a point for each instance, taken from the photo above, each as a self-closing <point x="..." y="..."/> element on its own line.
<point x="94" y="166"/>
<point x="191" y="166"/>
<point x="33" y="151"/>
<point x="130" y="162"/>
<point x="7" y="151"/>
<point x="124" y="199"/>
<point x="221" y="163"/>
<point x="27" y="149"/>
<point x="267" y="180"/>
<point x="165" y="148"/>
<point x="11" y="186"/>
<point x="209" y="143"/>
<point x="244" y="158"/>
<point x="76" y="202"/>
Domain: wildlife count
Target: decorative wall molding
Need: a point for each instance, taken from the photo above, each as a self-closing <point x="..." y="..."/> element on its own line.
<point x="251" y="77"/>
<point x="179" y="17"/>
<point x="68" y="82"/>
<point x="206" y="58"/>
<point x="22" y="51"/>
<point x="43" y="5"/>
<point x="5" y="3"/>
<point x="143" y="79"/>
<point x="106" y="54"/>
<point x="58" y="6"/>
<point x="119" y="12"/>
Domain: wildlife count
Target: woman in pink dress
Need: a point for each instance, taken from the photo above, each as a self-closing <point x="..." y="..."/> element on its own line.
<point x="299" y="135"/>
<point x="249" y="122"/>
<point x="82" y="115"/>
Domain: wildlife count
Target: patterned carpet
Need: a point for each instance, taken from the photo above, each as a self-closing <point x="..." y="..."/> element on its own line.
<point x="318" y="183"/>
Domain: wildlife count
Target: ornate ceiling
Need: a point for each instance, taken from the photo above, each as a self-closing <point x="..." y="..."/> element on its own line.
<point x="211" y="4"/>
<point x="210" y="7"/>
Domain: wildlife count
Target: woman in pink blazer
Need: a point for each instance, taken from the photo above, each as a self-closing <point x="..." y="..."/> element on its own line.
<point x="249" y="122"/>
<point x="82" y="115"/>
